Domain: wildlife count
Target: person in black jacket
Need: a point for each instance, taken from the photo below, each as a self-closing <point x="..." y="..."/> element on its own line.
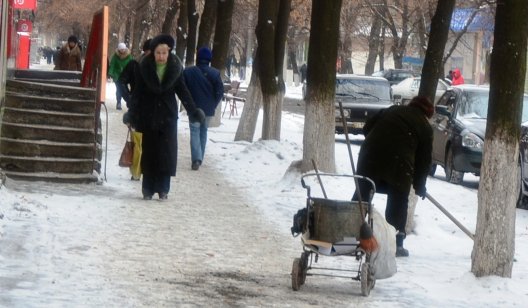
<point x="207" y="89"/>
<point x="154" y="112"/>
<point x="396" y="154"/>
<point x="126" y="80"/>
<point x="126" y="83"/>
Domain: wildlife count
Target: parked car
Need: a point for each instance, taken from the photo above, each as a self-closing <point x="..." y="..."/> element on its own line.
<point x="395" y="76"/>
<point x="403" y="92"/>
<point x="459" y="127"/>
<point x="361" y="97"/>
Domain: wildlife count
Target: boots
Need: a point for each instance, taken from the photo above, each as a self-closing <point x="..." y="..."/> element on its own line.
<point x="400" y="251"/>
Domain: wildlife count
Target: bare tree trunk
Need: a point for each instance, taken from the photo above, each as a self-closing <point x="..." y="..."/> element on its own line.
<point x="272" y="37"/>
<point x="373" y="43"/>
<point x="191" y="39"/>
<point x="142" y="22"/>
<point x="250" y="43"/>
<point x="494" y="245"/>
<point x="128" y="33"/>
<point x="170" y="14"/>
<point x="266" y="28"/>
<point x="382" y="49"/>
<point x="292" y="47"/>
<point x="319" y="120"/>
<point x="221" y="45"/>
<point x="433" y="65"/>
<point x="248" y="119"/>
<point x="181" y="31"/>
<point x="207" y="23"/>
<point x="422" y="35"/>
<point x="345" y="51"/>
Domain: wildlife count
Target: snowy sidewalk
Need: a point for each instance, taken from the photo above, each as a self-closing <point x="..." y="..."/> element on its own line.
<point x="102" y="245"/>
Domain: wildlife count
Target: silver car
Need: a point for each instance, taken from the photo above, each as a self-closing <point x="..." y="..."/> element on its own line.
<point x="403" y="92"/>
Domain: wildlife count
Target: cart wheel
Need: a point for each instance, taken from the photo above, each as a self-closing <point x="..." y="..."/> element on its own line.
<point x="367" y="281"/>
<point x="296" y="274"/>
<point x="304" y="266"/>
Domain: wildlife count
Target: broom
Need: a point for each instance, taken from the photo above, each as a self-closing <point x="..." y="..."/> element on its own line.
<point x="319" y="179"/>
<point x="367" y="241"/>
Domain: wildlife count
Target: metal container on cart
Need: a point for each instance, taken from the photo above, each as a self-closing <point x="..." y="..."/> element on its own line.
<point x="331" y="228"/>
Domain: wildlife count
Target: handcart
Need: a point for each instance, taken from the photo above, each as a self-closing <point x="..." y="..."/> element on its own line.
<point x="331" y="228"/>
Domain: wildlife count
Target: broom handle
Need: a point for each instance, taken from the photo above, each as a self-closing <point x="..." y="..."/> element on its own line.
<point x="345" y="130"/>
<point x="453" y="219"/>
<point x="319" y="178"/>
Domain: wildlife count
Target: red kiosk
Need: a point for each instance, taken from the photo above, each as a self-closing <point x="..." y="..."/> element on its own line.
<point x="18" y="31"/>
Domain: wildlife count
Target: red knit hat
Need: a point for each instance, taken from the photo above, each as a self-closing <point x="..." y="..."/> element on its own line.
<point x="424" y="104"/>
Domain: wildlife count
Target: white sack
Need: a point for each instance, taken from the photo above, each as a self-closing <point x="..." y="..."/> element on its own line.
<point x="383" y="260"/>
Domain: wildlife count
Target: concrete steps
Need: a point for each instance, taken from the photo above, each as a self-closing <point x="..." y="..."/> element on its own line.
<point x="50" y="131"/>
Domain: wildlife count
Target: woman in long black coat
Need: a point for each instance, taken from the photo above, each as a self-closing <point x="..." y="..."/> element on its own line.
<point x="154" y="112"/>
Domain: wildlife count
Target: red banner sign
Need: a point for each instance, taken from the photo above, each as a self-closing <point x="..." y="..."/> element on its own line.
<point x="24" y="4"/>
<point x="24" y="26"/>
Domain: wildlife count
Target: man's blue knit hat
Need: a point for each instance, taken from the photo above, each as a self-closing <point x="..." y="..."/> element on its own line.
<point x="204" y="53"/>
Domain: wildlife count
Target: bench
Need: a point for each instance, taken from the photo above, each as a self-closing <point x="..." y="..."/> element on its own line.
<point x="231" y="99"/>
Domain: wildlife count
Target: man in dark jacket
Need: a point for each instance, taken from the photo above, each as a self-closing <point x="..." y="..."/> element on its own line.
<point x="207" y="89"/>
<point x="396" y="154"/>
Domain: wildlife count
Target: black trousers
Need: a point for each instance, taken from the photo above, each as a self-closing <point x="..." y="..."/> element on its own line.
<point x="397" y="202"/>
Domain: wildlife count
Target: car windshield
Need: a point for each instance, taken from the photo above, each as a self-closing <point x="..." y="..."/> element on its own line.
<point x="377" y="89"/>
<point x="474" y="105"/>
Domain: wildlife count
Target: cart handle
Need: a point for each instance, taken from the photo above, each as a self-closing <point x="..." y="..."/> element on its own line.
<point x="360" y="177"/>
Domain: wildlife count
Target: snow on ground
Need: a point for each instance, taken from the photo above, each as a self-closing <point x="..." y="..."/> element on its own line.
<point x="437" y="273"/>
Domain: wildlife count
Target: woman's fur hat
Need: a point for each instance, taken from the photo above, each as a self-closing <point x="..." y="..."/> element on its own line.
<point x="162" y="39"/>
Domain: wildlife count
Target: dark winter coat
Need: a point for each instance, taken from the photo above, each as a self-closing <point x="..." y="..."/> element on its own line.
<point x="206" y="86"/>
<point x="126" y="80"/>
<point x="154" y="112"/>
<point x="68" y="59"/>
<point x="397" y="148"/>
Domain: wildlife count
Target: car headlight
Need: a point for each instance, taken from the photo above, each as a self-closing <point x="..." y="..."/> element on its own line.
<point x="346" y="113"/>
<point x="473" y="142"/>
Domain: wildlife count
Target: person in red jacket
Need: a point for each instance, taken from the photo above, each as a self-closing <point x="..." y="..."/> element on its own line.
<point x="457" y="77"/>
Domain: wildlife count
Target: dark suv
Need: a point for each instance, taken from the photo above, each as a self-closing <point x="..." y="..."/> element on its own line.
<point x="395" y="76"/>
<point x="459" y="127"/>
<point x="362" y="97"/>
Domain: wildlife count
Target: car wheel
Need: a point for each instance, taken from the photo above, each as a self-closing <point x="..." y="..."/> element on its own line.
<point x="432" y="170"/>
<point x="452" y="176"/>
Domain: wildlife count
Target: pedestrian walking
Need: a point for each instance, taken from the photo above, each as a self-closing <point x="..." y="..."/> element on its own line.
<point x="118" y="62"/>
<point x="207" y="89"/>
<point x="69" y="56"/>
<point x="303" y="70"/>
<point x="449" y="77"/>
<point x="127" y="83"/>
<point x="396" y="154"/>
<point x="457" y="77"/>
<point x="154" y="112"/>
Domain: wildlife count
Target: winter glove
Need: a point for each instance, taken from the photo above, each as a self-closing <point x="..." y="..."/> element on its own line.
<point x="126" y="118"/>
<point x="197" y="115"/>
<point x="420" y="191"/>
